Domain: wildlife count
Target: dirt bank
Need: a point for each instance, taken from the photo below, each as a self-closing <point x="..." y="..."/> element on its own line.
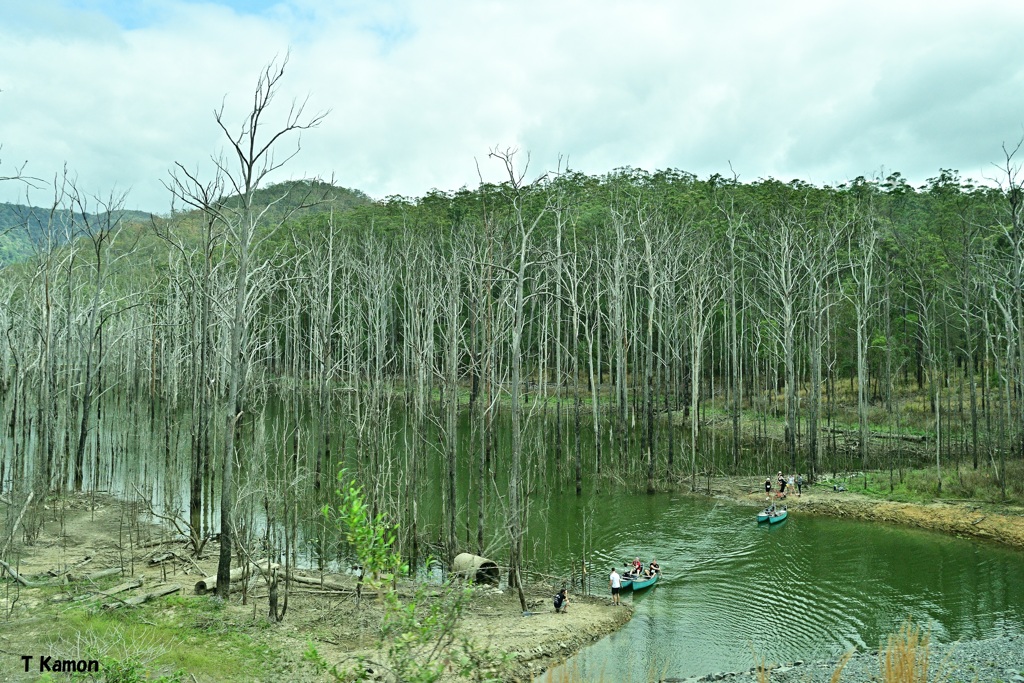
<point x="544" y="639"/>
<point x="998" y="523"/>
<point x="170" y="633"/>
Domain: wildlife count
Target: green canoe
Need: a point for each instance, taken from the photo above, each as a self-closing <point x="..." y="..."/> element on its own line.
<point x="641" y="583"/>
<point x="772" y="515"/>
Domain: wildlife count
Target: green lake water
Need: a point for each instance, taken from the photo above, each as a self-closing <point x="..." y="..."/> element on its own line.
<point x="732" y="591"/>
<point x="808" y="588"/>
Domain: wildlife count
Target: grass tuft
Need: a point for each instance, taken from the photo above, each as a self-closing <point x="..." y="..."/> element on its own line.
<point x="843" y="661"/>
<point x="906" y="656"/>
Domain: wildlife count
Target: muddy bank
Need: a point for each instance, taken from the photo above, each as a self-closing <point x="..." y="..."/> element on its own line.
<point x="91" y="534"/>
<point x="998" y="523"/>
<point x="544" y="639"/>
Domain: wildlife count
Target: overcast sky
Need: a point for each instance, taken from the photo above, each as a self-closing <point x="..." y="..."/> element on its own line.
<point x="418" y="92"/>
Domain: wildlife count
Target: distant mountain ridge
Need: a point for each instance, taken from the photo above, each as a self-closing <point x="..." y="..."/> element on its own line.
<point x="22" y="226"/>
<point x="296" y="198"/>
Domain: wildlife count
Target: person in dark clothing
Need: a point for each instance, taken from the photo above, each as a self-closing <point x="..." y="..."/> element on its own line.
<point x="561" y="601"/>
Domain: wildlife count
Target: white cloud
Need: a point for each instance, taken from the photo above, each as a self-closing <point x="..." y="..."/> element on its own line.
<point x="419" y="91"/>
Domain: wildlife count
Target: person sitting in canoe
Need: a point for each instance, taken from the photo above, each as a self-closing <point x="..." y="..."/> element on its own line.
<point x="638" y="566"/>
<point x="629" y="572"/>
<point x="654" y="567"/>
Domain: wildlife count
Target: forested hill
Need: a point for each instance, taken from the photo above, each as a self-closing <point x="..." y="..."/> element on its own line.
<point x="22" y="226"/>
<point x="297" y="198"/>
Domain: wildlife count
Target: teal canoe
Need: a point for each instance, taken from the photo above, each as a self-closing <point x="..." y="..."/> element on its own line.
<point x="772" y="516"/>
<point x="639" y="584"/>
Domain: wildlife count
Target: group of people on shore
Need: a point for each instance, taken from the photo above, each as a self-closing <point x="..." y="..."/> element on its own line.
<point x="793" y="482"/>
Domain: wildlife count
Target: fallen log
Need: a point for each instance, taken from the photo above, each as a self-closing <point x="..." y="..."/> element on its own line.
<point x="320" y="583"/>
<point x="96" y="575"/>
<point x="139" y="599"/>
<point x="209" y="584"/>
<point x="157" y="559"/>
<point x="19" y="578"/>
<point x="121" y="587"/>
<point x="154" y="544"/>
<point x="916" y="438"/>
<point x="310" y="591"/>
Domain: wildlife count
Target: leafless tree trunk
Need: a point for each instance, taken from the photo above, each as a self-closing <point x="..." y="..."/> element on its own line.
<point x="251" y="159"/>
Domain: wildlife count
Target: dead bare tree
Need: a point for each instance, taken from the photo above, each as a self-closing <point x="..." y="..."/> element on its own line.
<point x="521" y="269"/>
<point x="862" y="251"/>
<point x="251" y="158"/>
<point x="775" y="259"/>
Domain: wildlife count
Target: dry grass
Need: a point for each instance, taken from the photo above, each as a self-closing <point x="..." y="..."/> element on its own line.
<point x="762" y="672"/>
<point x="839" y="669"/>
<point x="907" y="655"/>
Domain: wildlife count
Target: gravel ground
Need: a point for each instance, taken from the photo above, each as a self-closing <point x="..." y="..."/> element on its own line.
<point x="996" y="660"/>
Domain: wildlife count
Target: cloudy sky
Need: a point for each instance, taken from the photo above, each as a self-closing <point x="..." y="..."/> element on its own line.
<point x="118" y="91"/>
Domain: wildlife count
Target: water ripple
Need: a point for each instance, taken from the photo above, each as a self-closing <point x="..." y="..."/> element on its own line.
<point x="734" y="591"/>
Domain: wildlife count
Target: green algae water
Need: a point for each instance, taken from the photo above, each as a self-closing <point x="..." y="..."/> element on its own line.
<point x="732" y="591"/>
<point x="807" y="588"/>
